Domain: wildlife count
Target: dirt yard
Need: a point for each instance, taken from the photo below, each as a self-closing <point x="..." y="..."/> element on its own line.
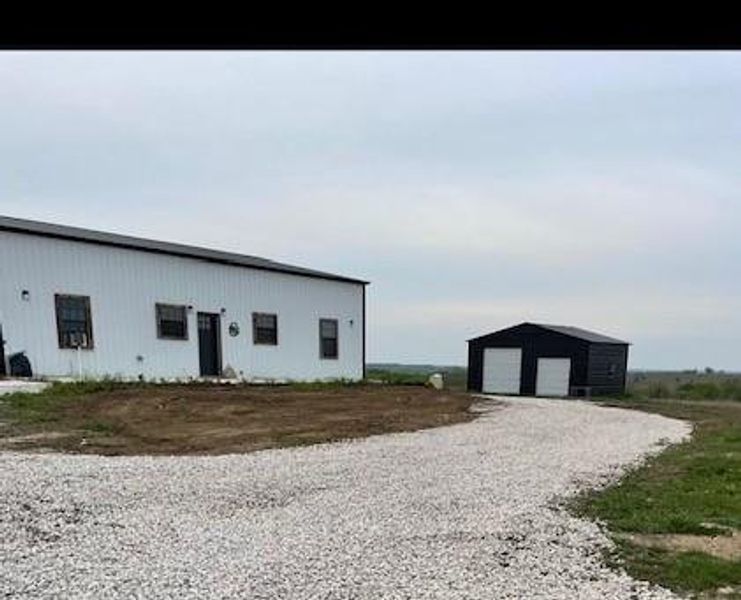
<point x="220" y="419"/>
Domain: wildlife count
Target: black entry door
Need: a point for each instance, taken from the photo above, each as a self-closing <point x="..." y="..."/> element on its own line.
<point x="209" y="344"/>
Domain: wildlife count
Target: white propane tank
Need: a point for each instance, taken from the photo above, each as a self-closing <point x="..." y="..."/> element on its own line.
<point x="436" y="380"/>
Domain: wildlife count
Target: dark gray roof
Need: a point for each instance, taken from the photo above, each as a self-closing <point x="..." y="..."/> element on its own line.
<point x="134" y="243"/>
<point x="582" y="334"/>
<point x="575" y="332"/>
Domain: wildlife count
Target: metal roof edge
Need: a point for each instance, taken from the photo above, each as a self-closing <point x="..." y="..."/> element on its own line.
<point x="576" y="331"/>
<point x="606" y="340"/>
<point x="104" y="238"/>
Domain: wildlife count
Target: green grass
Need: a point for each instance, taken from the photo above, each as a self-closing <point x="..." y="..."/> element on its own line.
<point x="320" y="384"/>
<point x="454" y="377"/>
<point x="685" y="385"/>
<point x="398" y="377"/>
<point x="690" y="488"/>
<point x="679" y="571"/>
<point x="44" y="407"/>
<point x="29" y="408"/>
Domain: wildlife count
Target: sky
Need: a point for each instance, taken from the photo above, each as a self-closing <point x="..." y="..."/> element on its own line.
<point x="474" y="190"/>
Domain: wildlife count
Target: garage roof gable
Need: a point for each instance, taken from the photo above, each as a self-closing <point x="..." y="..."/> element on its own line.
<point x="574" y="332"/>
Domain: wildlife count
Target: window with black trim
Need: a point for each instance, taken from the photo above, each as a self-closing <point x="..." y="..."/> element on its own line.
<point x="172" y="321"/>
<point x="328" y="338"/>
<point x="265" y="329"/>
<point x="74" y="321"/>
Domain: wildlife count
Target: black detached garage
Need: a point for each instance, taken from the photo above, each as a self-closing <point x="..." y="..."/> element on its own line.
<point x="533" y="359"/>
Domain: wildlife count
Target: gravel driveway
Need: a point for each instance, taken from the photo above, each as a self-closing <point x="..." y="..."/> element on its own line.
<point x="466" y="511"/>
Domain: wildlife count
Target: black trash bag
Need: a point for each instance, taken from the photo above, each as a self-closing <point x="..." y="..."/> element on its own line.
<point x="20" y="366"/>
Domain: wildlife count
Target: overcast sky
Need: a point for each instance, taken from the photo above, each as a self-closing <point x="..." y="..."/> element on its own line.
<point x="475" y="190"/>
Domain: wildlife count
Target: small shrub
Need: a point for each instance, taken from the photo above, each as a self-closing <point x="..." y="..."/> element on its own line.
<point x="658" y="389"/>
<point x="731" y="390"/>
<point x="699" y="391"/>
<point x="320" y="384"/>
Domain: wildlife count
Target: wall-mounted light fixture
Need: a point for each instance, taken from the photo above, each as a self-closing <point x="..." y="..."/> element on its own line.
<point x="25" y="295"/>
<point x="223" y="311"/>
<point x="352" y="322"/>
<point x="190" y="308"/>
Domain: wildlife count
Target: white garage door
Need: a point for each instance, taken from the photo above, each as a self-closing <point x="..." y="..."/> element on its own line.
<point x="502" y="370"/>
<point x="553" y="377"/>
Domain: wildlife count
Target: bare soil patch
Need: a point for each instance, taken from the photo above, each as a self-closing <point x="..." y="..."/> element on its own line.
<point x="722" y="546"/>
<point x="183" y="419"/>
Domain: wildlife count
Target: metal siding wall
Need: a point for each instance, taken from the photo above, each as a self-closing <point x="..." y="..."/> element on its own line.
<point x="600" y="358"/>
<point x="124" y="286"/>
<point x="475" y="366"/>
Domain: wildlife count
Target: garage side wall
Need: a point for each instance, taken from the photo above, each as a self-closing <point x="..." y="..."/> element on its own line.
<point x="608" y="367"/>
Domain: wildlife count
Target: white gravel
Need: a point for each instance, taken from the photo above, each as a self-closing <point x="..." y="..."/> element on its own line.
<point x="467" y="511"/>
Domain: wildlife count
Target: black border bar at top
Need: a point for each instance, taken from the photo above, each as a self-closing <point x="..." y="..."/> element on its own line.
<point x="373" y="33"/>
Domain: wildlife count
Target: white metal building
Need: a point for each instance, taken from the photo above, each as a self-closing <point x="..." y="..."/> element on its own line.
<point x="80" y="301"/>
